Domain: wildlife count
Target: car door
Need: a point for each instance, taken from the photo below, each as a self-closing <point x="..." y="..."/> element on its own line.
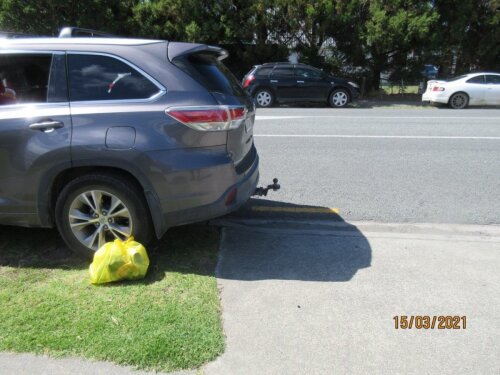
<point x="35" y="132"/>
<point x="492" y="93"/>
<point x="284" y="84"/>
<point x="475" y="87"/>
<point x="311" y="86"/>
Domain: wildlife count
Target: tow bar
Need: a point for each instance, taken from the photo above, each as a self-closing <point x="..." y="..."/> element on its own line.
<point x="261" y="191"/>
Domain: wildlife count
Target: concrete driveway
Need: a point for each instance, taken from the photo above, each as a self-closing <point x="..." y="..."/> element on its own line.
<point x="320" y="297"/>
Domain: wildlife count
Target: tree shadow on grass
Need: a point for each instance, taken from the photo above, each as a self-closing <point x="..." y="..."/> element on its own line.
<point x="187" y="249"/>
<point x="35" y="248"/>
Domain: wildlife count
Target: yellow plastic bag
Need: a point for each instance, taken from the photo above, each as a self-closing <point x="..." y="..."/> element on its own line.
<point x="119" y="260"/>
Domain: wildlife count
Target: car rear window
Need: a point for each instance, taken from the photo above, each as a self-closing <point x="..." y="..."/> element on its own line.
<point x="456" y="78"/>
<point x="207" y="70"/>
<point x="97" y="77"/>
<point x="263" y="72"/>
<point x="477" y="79"/>
<point x="283" y="72"/>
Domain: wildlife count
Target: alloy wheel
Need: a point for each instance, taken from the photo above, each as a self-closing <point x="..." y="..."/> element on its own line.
<point x="264" y="99"/>
<point x="97" y="216"/>
<point x="339" y="99"/>
<point x="458" y="101"/>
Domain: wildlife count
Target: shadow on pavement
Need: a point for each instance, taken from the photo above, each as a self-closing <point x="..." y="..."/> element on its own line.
<point x="278" y="245"/>
<point x="307" y="246"/>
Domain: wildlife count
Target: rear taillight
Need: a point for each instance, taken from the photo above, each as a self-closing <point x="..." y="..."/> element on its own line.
<point x="209" y="118"/>
<point x="248" y="80"/>
<point x="437" y="88"/>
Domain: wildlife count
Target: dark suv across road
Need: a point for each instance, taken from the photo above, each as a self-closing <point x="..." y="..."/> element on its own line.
<point x="107" y="138"/>
<point x="273" y="83"/>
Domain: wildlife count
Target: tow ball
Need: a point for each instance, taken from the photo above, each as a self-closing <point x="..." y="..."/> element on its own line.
<point x="261" y="191"/>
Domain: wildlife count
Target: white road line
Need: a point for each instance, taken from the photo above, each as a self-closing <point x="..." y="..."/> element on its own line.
<point x="371" y="136"/>
<point x="259" y="118"/>
<point x="280" y="117"/>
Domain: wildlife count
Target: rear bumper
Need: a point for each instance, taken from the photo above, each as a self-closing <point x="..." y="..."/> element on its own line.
<point x="198" y="184"/>
<point x="435" y="97"/>
<point x="244" y="187"/>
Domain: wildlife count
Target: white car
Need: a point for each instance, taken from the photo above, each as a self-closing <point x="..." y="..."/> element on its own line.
<point x="462" y="91"/>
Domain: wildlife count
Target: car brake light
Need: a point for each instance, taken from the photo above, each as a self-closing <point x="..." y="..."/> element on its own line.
<point x="437" y="88"/>
<point x="248" y="81"/>
<point x="209" y="118"/>
<point x="237" y="113"/>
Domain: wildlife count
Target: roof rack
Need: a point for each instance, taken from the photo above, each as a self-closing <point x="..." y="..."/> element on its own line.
<point x="78" y="32"/>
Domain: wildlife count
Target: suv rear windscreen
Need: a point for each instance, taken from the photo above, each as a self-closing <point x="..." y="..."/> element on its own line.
<point x="264" y="71"/>
<point x="211" y="73"/>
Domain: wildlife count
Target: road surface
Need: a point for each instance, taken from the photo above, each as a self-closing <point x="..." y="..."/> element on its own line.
<point x="423" y="165"/>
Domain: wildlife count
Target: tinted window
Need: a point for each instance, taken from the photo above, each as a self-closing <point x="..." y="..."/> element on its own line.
<point x="308" y="73"/>
<point x="211" y="73"/>
<point x="94" y="77"/>
<point x="264" y="72"/>
<point x="283" y="72"/>
<point x="456" y="78"/>
<point x="490" y="78"/>
<point x="478" y="79"/>
<point x="24" y="78"/>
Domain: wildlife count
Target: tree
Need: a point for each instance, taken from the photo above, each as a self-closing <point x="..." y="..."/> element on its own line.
<point x="46" y="17"/>
<point x="391" y="30"/>
<point x="468" y="37"/>
<point x="220" y="21"/>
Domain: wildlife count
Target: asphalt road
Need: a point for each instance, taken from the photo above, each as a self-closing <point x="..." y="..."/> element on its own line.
<point x="424" y="165"/>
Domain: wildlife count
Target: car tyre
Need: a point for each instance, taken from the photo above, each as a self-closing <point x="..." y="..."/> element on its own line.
<point x="339" y="98"/>
<point x="122" y="212"/>
<point x="264" y="98"/>
<point x="459" y="100"/>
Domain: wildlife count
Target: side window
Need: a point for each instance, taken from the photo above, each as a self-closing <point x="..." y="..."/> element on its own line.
<point x="307" y="73"/>
<point x="283" y="72"/>
<point x="477" y="79"/>
<point x="490" y="78"/>
<point x="264" y="72"/>
<point x="24" y="78"/>
<point x="96" y="77"/>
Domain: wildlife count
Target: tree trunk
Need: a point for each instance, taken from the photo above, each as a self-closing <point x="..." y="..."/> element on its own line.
<point x="376" y="79"/>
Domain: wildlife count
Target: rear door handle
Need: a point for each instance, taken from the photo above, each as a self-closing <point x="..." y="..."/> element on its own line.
<point x="46" y="126"/>
<point x="300" y="81"/>
<point x="274" y="81"/>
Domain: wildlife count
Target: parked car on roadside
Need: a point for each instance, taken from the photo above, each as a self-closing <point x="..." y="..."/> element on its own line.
<point x="430" y="71"/>
<point x="109" y="138"/>
<point x="466" y="90"/>
<point x="277" y="83"/>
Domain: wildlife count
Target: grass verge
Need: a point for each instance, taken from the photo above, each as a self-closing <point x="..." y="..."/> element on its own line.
<point x="170" y="320"/>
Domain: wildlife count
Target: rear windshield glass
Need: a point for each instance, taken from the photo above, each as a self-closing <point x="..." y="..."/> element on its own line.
<point x="456" y="78"/>
<point x="264" y="72"/>
<point x="211" y="73"/>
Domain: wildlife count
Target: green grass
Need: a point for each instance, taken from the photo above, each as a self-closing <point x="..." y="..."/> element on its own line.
<point x="168" y="321"/>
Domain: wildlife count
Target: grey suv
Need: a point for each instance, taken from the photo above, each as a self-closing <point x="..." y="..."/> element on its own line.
<point x="106" y="138"/>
